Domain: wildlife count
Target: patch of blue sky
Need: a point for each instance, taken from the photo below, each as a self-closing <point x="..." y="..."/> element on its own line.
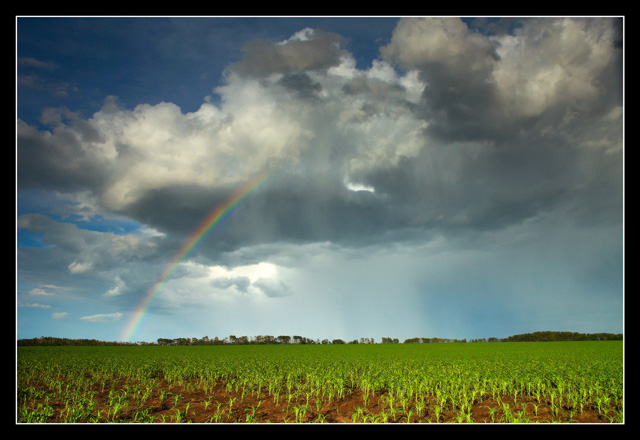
<point x="99" y="223"/>
<point x="38" y="201"/>
<point x="26" y="238"/>
<point x="60" y="209"/>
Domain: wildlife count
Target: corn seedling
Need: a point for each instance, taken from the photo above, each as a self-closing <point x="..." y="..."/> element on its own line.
<point x="403" y="382"/>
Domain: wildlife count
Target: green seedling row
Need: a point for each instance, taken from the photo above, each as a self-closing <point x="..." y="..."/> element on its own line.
<point x="507" y="382"/>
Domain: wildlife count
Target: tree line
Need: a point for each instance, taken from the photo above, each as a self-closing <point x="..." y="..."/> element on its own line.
<point x="563" y="336"/>
<point x="300" y="340"/>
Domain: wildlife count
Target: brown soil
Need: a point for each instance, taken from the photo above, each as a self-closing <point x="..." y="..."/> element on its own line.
<point x="184" y="404"/>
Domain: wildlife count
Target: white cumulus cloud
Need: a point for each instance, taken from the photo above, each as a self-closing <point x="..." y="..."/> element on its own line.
<point x="103" y="317"/>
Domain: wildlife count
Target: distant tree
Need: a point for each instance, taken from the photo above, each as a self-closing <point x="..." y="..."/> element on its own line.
<point x="267" y="339"/>
<point x="562" y="336"/>
<point x="264" y="339"/>
<point x="412" y="341"/>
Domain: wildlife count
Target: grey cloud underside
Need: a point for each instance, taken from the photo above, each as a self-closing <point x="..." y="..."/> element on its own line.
<point x="286" y="208"/>
<point x="318" y="53"/>
<point x="493" y="190"/>
<point x="61" y="163"/>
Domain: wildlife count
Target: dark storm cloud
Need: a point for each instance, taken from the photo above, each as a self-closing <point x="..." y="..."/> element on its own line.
<point x="497" y="185"/>
<point x="306" y="209"/>
<point x="288" y="208"/>
<point x="464" y="99"/>
<point x="176" y="209"/>
<point x="477" y="165"/>
<point x="313" y="50"/>
<point x="490" y="152"/>
<point x="456" y="65"/>
<point x="57" y="159"/>
<point x="483" y="165"/>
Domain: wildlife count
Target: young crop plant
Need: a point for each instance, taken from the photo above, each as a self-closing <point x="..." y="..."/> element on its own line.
<point x="538" y="382"/>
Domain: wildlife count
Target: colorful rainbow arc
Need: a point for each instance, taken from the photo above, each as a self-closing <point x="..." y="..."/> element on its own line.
<point x="214" y="218"/>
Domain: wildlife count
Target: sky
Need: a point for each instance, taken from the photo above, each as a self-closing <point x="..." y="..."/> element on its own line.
<point x="327" y="177"/>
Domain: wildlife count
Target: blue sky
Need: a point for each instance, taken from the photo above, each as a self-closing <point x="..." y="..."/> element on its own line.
<point x="428" y="176"/>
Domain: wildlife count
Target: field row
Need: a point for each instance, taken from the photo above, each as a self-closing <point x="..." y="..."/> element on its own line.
<point x="462" y="383"/>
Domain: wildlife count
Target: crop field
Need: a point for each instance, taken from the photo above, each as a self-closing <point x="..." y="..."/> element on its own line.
<point x="506" y="382"/>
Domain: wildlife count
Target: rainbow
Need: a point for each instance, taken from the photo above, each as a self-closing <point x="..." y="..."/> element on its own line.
<point x="216" y="216"/>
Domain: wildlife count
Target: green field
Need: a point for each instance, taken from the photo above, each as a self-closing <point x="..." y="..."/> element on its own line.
<point x="506" y="382"/>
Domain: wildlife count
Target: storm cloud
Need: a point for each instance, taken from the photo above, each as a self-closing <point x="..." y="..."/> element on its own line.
<point x="451" y="139"/>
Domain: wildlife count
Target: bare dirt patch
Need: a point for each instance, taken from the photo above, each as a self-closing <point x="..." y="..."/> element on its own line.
<point x="185" y="403"/>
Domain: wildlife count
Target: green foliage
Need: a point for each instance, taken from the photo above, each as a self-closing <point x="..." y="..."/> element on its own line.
<point x="301" y="340"/>
<point x="563" y="336"/>
<point x="406" y="382"/>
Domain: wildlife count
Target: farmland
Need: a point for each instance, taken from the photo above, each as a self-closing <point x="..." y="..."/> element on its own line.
<point x="506" y="382"/>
